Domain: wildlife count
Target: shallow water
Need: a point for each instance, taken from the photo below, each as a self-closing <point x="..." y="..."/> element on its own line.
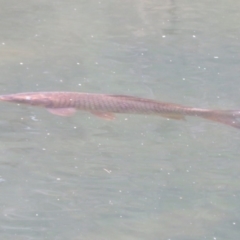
<point x="138" y="177"/>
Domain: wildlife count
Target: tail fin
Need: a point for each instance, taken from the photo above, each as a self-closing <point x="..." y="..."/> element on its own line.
<point x="228" y="117"/>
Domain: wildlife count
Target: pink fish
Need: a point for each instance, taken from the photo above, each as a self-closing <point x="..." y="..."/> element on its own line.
<point x="103" y="105"/>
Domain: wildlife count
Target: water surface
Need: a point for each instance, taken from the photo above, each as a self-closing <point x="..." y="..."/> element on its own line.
<point x="138" y="177"/>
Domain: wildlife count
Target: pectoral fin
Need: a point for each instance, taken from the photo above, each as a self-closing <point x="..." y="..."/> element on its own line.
<point x="105" y="115"/>
<point x="64" y="112"/>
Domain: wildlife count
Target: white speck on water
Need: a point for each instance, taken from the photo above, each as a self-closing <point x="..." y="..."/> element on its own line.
<point x="184" y="79"/>
<point x="106" y="170"/>
<point x="21" y="63"/>
<point x="3" y="43"/>
<point x="234" y="223"/>
<point x="34" y="118"/>
<point x="194" y="36"/>
<point x="36" y="214"/>
<point x="60" y="80"/>
<point x="96" y="63"/>
<point x="58" y="179"/>
<point x="79" y="84"/>
<point x="78" y="63"/>
<point x="44" y="149"/>
<point x="163" y="36"/>
<point x="2" y="179"/>
<point x="91" y="36"/>
<point x="216" y="57"/>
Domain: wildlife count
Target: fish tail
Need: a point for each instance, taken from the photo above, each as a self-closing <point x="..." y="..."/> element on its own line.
<point x="227" y="117"/>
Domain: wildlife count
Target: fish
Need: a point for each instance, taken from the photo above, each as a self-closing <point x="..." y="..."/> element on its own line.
<point x="107" y="105"/>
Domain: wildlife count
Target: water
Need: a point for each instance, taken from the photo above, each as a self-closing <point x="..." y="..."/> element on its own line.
<point x="138" y="177"/>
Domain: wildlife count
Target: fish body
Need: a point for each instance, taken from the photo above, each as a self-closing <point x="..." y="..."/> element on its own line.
<point x="103" y="105"/>
<point x="100" y="103"/>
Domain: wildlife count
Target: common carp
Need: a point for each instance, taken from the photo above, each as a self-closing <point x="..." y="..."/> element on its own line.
<point x="103" y="105"/>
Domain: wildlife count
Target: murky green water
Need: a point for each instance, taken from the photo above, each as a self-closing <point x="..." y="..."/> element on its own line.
<point x="137" y="177"/>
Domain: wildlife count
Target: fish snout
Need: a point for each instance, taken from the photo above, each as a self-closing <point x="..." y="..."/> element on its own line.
<point x="30" y="99"/>
<point x="6" y="98"/>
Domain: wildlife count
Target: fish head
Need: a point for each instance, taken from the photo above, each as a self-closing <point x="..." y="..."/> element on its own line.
<point x="35" y="99"/>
